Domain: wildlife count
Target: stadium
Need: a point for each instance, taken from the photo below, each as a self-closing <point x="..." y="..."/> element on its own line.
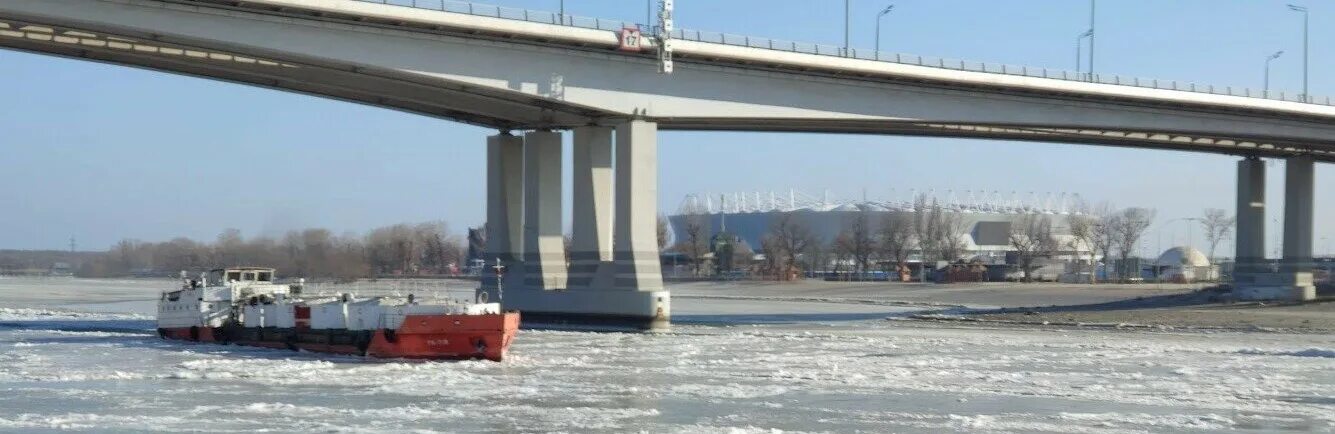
<point x="987" y="217"/>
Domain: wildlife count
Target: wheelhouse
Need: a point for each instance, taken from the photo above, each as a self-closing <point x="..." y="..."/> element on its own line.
<point x="242" y="274"/>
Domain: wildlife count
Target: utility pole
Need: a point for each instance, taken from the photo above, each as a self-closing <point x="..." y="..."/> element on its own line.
<point x="1079" y="40"/>
<point x="1265" y="90"/>
<point x="1303" y="9"/>
<point x="1091" y="39"/>
<point x="848" y="19"/>
<point x="883" y="13"/>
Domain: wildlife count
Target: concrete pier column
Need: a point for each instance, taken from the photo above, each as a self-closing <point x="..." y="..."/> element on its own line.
<point x="1298" y="215"/>
<point x="505" y="177"/>
<point x="544" y="243"/>
<point x="591" y="236"/>
<point x="625" y="293"/>
<point x="1253" y="278"/>
<point x="636" y="242"/>
<point x="1251" y="217"/>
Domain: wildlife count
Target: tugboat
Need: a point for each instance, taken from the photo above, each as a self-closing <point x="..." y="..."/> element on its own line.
<point x="244" y="306"/>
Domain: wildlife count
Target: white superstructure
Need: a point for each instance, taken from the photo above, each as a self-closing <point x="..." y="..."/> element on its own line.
<point x="250" y="296"/>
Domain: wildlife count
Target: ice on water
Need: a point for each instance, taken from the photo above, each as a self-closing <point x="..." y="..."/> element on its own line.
<point x="89" y="369"/>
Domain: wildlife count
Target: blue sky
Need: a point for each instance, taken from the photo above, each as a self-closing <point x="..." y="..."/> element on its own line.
<point x="102" y="152"/>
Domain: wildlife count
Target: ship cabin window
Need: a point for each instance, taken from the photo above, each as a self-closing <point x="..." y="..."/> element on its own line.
<point x="265" y="276"/>
<point x="233" y="276"/>
<point x="249" y="276"/>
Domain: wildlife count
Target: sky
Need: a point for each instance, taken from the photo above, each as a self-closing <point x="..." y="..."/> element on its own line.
<point x="100" y="152"/>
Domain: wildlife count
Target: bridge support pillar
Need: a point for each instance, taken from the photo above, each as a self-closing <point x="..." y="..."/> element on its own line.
<point x="544" y="243"/>
<point x="591" y="236"/>
<point x="505" y="177"/>
<point x="1253" y="276"/>
<point x="636" y="242"/>
<point x="1298" y="214"/>
<point x="1250" y="245"/>
<point x="612" y="283"/>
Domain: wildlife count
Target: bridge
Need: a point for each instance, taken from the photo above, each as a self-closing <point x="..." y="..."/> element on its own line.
<point x="534" y="76"/>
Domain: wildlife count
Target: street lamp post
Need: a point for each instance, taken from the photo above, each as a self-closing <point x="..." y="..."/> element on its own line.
<point x="848" y="19"/>
<point x="1091" y="39"/>
<point x="562" y="13"/>
<point x="1079" y="41"/>
<point x="1303" y="9"/>
<point x="883" y="13"/>
<point x="1265" y="90"/>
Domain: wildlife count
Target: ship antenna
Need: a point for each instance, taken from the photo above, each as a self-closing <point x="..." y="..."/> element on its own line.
<point x="500" y="274"/>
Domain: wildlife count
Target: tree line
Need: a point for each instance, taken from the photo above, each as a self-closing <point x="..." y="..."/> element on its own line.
<point x="884" y="241"/>
<point x="402" y="249"/>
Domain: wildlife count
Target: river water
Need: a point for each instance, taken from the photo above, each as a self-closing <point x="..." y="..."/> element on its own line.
<point x="80" y="355"/>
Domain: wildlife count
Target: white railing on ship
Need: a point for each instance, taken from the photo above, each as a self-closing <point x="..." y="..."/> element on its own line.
<point x="555" y="18"/>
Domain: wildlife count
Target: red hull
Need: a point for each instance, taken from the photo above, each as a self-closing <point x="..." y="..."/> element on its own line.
<point x="433" y="337"/>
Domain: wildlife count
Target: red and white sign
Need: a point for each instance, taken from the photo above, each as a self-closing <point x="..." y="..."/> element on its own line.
<point x="630" y="39"/>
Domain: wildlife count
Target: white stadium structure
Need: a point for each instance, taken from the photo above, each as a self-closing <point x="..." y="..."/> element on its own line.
<point x="987" y="216"/>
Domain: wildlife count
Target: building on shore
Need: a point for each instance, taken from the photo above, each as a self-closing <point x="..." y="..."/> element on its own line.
<point x="986" y="219"/>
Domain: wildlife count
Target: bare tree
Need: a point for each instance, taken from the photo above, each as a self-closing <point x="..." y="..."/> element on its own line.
<point x="694" y="237"/>
<point x="924" y="229"/>
<point x="1218" y="225"/>
<point x="1031" y="236"/>
<point x="790" y="238"/>
<point x="662" y="232"/>
<point x="841" y="252"/>
<point x="227" y="249"/>
<point x="950" y="230"/>
<point x="1129" y="226"/>
<point x="1102" y="232"/>
<point x="896" y="239"/>
<point x="856" y="241"/>
<point x="772" y="264"/>
<point x="1082" y="237"/>
<point x="439" y="250"/>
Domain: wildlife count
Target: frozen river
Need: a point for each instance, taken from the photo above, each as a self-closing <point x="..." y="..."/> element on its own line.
<point x="91" y="363"/>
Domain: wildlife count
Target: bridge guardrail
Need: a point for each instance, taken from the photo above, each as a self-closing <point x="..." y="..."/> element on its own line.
<point x="485" y="10"/>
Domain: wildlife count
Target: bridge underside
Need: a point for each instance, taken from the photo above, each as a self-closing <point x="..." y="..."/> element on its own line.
<point x="365" y="85"/>
<point x="529" y="105"/>
<point x="1116" y="138"/>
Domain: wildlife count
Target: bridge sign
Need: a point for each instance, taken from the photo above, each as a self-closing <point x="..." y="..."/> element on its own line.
<point x="630" y="39"/>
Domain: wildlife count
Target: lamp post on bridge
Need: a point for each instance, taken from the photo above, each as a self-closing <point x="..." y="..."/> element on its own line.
<point x="1265" y="90"/>
<point x="848" y="19"/>
<point x="1079" y="42"/>
<point x="1303" y="10"/>
<point x="880" y="15"/>
<point x="1091" y="39"/>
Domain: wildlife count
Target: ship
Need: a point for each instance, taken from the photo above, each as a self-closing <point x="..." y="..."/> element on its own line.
<point x="245" y="306"/>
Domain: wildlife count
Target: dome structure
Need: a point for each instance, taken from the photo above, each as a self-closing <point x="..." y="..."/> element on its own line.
<point x="1182" y="256"/>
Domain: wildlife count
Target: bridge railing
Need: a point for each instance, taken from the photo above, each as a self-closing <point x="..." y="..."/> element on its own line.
<point x="509" y="13"/>
<point x="544" y="17"/>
